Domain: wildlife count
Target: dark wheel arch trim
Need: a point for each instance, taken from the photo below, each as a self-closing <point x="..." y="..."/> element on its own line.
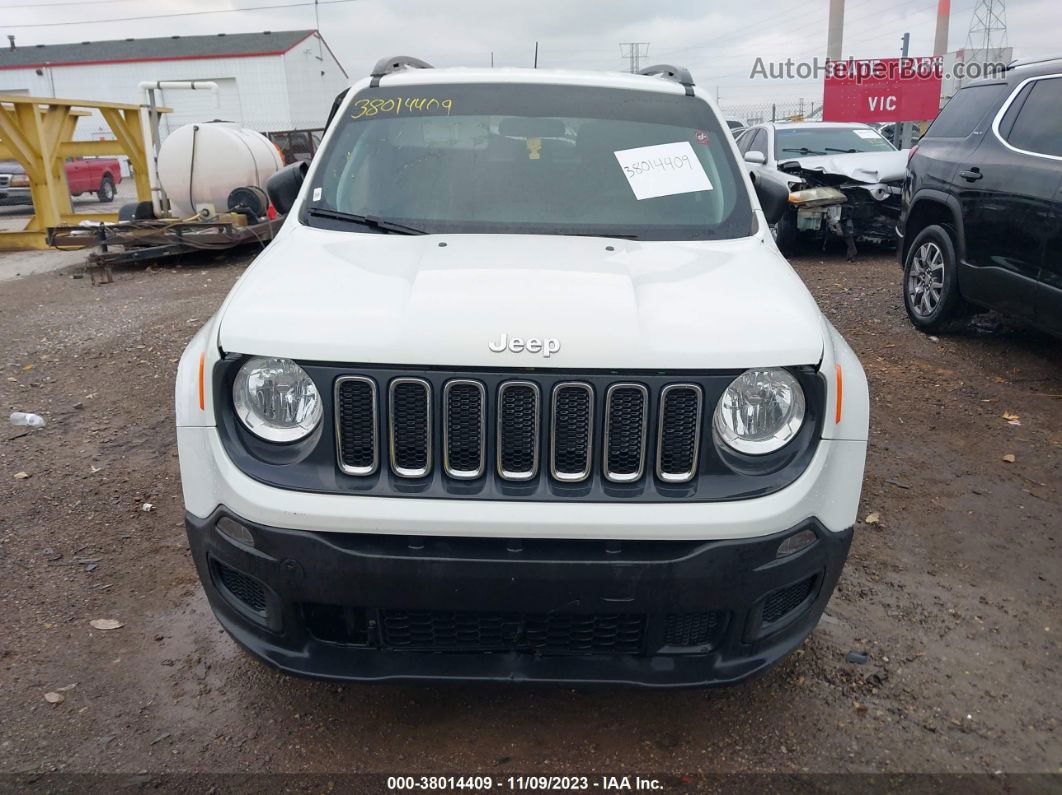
<point x="933" y="196"/>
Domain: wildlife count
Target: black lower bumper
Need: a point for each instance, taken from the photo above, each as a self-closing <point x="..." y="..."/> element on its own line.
<point x="376" y="607"/>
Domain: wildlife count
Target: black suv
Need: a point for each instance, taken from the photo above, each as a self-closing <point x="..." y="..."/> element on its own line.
<point x="981" y="217"/>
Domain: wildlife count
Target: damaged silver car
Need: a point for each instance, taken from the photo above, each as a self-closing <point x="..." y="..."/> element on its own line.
<point x="844" y="179"/>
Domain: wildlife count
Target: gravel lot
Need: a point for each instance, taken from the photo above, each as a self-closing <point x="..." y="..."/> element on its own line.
<point x="953" y="593"/>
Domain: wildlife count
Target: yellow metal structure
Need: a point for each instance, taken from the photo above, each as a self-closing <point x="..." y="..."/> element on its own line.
<point x="38" y="132"/>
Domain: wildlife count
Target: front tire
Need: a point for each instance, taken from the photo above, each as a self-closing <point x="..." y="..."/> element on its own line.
<point x="785" y="232"/>
<point x="931" y="281"/>
<point x="106" y="192"/>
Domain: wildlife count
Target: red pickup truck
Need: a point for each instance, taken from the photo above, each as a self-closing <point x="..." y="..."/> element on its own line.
<point x="99" y="175"/>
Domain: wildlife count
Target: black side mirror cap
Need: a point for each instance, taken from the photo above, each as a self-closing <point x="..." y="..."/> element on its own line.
<point x="284" y="186"/>
<point x="774" y="198"/>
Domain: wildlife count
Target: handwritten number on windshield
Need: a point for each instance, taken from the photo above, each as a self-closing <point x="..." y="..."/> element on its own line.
<point x="397" y="105"/>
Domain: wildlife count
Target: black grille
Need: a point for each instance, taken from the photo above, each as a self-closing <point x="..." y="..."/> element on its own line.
<point x="356" y="415"/>
<point x="545" y="633"/>
<point x="782" y="601"/>
<point x="464" y="418"/>
<point x="246" y="589"/>
<point x="534" y="435"/>
<point x="625" y="432"/>
<point x="680" y="420"/>
<point x="572" y="424"/>
<point x="410" y="427"/>
<point x="693" y="629"/>
<point x="518" y="430"/>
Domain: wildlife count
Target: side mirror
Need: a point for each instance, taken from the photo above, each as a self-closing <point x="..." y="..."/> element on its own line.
<point x="284" y="186"/>
<point x="774" y="199"/>
<point x="756" y="158"/>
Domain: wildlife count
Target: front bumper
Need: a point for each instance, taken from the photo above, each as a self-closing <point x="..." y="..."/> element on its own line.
<point x="370" y="607"/>
<point x="15" y="196"/>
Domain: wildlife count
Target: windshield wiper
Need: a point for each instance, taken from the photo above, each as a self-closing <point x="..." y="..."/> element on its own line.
<point x="842" y="151"/>
<point x="366" y="220"/>
<point x="803" y="150"/>
<point x="597" y="234"/>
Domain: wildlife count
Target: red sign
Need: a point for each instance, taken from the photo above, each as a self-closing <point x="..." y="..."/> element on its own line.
<point x="884" y="89"/>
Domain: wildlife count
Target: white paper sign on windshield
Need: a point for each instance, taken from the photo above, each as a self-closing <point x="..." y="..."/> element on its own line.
<point x="870" y="135"/>
<point x="663" y="170"/>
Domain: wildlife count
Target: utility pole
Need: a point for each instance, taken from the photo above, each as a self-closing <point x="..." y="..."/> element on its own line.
<point x="901" y="133"/>
<point x="835" y="30"/>
<point x="317" y="30"/>
<point x="940" y="40"/>
<point x="633" y="52"/>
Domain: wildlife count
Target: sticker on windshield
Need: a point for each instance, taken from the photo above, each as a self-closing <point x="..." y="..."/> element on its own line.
<point x="869" y="134"/>
<point x="663" y="170"/>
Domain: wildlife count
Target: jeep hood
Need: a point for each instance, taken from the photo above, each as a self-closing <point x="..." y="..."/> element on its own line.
<point x="322" y="295"/>
<point x="869" y="167"/>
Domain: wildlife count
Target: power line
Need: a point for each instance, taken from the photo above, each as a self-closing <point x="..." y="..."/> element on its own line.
<point x="65" y="3"/>
<point x="303" y="4"/>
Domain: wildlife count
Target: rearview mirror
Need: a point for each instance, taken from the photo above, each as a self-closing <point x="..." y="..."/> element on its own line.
<point x="756" y="158"/>
<point x="284" y="186"/>
<point x="531" y="127"/>
<point x="774" y="199"/>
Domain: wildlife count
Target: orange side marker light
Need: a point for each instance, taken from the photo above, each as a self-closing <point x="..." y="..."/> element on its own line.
<point x="840" y="394"/>
<point x="203" y="394"/>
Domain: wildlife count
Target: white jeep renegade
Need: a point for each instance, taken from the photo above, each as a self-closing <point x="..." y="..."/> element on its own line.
<point x="522" y="390"/>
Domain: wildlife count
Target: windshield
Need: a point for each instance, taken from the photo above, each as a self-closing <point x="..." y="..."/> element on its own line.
<point x="827" y="141"/>
<point x="530" y="159"/>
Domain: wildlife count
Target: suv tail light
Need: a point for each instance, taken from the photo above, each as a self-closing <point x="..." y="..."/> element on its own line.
<point x="911" y="153"/>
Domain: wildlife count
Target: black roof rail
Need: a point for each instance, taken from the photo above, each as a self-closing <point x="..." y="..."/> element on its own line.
<point x="1019" y="62"/>
<point x="386" y="66"/>
<point x="669" y="72"/>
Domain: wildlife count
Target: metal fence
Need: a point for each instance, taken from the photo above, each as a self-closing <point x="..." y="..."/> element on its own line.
<point x="797" y="110"/>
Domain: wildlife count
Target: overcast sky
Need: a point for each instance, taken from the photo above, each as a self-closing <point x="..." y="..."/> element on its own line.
<point x="718" y="41"/>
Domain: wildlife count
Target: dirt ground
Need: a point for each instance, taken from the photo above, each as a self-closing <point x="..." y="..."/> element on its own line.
<point x="953" y="592"/>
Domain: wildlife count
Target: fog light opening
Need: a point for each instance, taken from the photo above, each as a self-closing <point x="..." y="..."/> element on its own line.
<point x="795" y="543"/>
<point x="235" y="531"/>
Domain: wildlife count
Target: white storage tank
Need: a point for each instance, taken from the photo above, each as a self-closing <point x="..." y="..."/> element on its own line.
<point x="200" y="164"/>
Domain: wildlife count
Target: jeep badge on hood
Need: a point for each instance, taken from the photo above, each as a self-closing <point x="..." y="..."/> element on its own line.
<point x="547" y="346"/>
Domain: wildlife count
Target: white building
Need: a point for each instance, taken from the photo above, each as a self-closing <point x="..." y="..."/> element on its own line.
<point x="272" y="81"/>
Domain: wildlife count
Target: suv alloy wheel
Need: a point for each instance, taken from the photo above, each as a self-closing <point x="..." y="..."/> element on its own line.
<point x="930" y="281"/>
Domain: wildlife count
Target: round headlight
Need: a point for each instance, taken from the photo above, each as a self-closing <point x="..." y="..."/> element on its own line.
<point x="760" y="412"/>
<point x="276" y="400"/>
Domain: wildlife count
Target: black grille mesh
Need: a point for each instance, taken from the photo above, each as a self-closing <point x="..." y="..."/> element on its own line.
<point x="518" y="428"/>
<point x="678" y="430"/>
<point x="693" y="629"/>
<point x="357" y="429"/>
<point x="546" y="633"/>
<point x="534" y="427"/>
<point x="464" y="431"/>
<point x="247" y="589"/>
<point x="783" y="600"/>
<point x="626" y="423"/>
<point x="409" y="425"/>
<point x="572" y="422"/>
